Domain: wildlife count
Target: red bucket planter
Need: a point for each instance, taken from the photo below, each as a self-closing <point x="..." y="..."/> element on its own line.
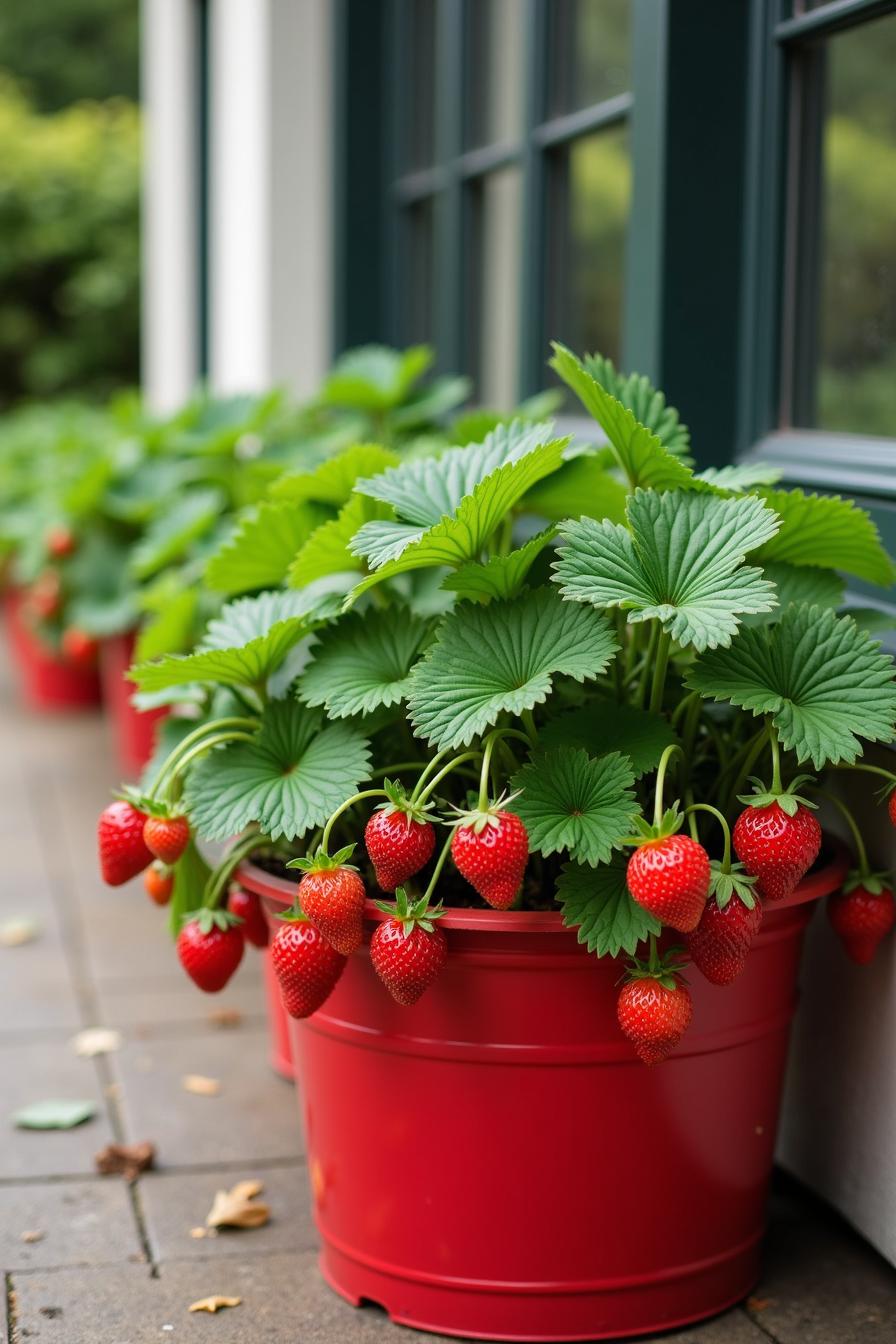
<point x="46" y="679"/>
<point x="133" y="729"/>
<point x="495" y="1162"/>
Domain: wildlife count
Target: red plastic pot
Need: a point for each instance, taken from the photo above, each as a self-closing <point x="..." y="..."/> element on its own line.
<point x="495" y="1162"/>
<point x="133" y="729"/>
<point x="46" y="679"/>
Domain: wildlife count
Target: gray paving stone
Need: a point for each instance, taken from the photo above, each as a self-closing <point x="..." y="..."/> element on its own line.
<point x="157" y="1005"/>
<point x="36" y="989"/>
<point x="255" y="1117"/>
<point x="173" y="1204"/>
<point x="37" y="1072"/>
<point x="82" y="1222"/>
<point x="822" y="1284"/>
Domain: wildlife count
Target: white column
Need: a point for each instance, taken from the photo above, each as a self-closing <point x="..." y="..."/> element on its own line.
<point x="170" y="202"/>
<point x="270" y="212"/>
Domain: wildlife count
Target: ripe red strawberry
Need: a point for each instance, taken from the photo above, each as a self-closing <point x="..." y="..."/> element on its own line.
<point x="721" y="941"/>
<point x="61" y="542"/>
<point x="306" y="966"/>
<point x="654" y="1012"/>
<point x="669" y="876"/>
<point x="891" y="807"/>
<point x="79" y="647"/>
<point x="247" y="906"/>
<point x="777" y="839"/>
<point x="122" y="849"/>
<point x="331" y="895"/>
<point x="861" y="915"/>
<point x="399" y="838"/>
<point x="159" y="883"/>
<point x="45" y="595"/>
<point x="491" y="850"/>
<point x="409" y="949"/>
<point x="167" y="837"/>
<point x="210" y="947"/>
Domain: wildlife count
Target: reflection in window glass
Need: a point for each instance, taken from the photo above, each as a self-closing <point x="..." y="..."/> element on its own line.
<point x="494" y="110"/>
<point x="418" y="129"/>
<point x="586" y="247"/>
<point x="589" y="52"/>
<point x="416" y="270"/>
<point x="496" y="287"/>
<point x="856" y="388"/>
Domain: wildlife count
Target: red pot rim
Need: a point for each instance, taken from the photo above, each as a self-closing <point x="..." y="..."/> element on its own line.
<point x="819" y="883"/>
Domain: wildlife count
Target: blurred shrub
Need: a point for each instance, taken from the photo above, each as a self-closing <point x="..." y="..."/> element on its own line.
<point x="69" y="263"/>
<point x="65" y="50"/>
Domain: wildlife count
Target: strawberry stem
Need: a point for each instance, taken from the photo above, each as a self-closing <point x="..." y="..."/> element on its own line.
<point x="440" y="864"/>
<point x="660" y="781"/>
<point x="484" y="771"/>
<point x="777" y="786"/>
<point x="214" y="728"/>
<point x="218" y="879"/>
<point x="714" y="811"/>
<point x="861" y="851"/>
<point x="349" y="802"/>
<point x="420" y="796"/>
<point x="867" y="769"/>
<point x="660" y="667"/>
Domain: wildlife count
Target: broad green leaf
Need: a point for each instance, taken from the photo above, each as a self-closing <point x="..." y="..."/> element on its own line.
<point x="456" y="540"/>
<point x="502" y="575"/>
<point x="169" y="628"/>
<point x="265" y="542"/>
<point x="824" y="682"/>
<point x="603" y="726"/>
<point x="681" y="564"/>
<point x="54" y="1114"/>
<point x="873" y="619"/>
<point x="598" y="902"/>
<point x="799" y="583"/>
<point x="646" y="404"/>
<point x="327" y="549"/>
<point x="639" y="452"/>
<point x="828" y="531"/>
<point x="375" y="378"/>
<point x="581" y="486"/>
<point x="296" y="772"/>
<point x="242" y="647"/>
<point x="570" y="801"/>
<point x="499" y="659"/>
<point x="431" y="403"/>
<point x="334" y="480"/>
<point x="740" y="476"/>
<point x="174" y="529"/>
<point x="363" y="663"/>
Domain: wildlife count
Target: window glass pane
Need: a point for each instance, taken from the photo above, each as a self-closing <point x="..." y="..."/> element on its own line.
<point x="856" y="350"/>
<point x="589" y="52"/>
<point x="586" y="245"/>
<point x="416" y="260"/>
<point x="495" y="287"/>
<point x="418" y="27"/>
<point x="494" y="107"/>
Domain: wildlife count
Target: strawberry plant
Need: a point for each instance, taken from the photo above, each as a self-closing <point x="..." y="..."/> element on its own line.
<point x="529" y="672"/>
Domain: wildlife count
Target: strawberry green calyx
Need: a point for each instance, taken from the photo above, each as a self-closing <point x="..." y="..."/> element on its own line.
<point x="670" y="823"/>
<point x="322" y="862"/>
<point x="787" y="799"/>
<point x="294" y="915"/>
<point x="208" y="919"/>
<point x="666" y="970"/>
<point x="398" y="800"/>
<point x="410" y="914"/>
<point x="875" y="883"/>
<point x="484" y="814"/>
<point x="735" y="882"/>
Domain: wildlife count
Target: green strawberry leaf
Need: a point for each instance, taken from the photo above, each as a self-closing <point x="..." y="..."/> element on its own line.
<point x="487" y="661"/>
<point x="456" y="540"/>
<point x="327" y="551"/>
<point x="334" y="480"/>
<point x="639" y="453"/>
<point x="296" y="771"/>
<point x="681" y="563"/>
<point x="54" y="1114"/>
<point x="873" y="619"/>
<point x="603" y="726"/>
<point x="646" y="404"/>
<point x="824" y="682"/>
<point x="597" y="901"/>
<point x="568" y="800"/>
<point x="428" y="405"/>
<point x="175" y="527"/>
<point x="242" y="647"/>
<point x="170" y="626"/>
<point x="582" y="485"/>
<point x="828" y="531"/>
<point x="363" y="663"/>
<point x="502" y="575"/>
<point x="740" y="476"/>
<point x="262" y="547"/>
<point x="374" y="377"/>
<point x="798" y="583"/>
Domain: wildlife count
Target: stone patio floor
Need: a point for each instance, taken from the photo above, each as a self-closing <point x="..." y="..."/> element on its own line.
<point x="116" y="1264"/>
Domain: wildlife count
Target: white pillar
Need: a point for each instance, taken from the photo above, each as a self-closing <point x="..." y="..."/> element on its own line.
<point x="170" y="202"/>
<point x="270" y="210"/>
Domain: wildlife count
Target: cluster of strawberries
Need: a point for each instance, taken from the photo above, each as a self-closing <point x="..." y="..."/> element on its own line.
<point x="408" y="949"/>
<point x="776" y="840"/>
<point x="45" y="598"/>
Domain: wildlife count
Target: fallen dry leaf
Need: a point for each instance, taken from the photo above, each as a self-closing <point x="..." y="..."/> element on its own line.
<point x="125" y="1159"/>
<point x="18" y="931"/>
<point x="225" y="1017"/>
<point x="759" y="1303"/>
<point x="30" y="1238"/>
<point x="214" y="1304"/>
<point x="202" y="1086"/>
<point x="96" y="1041"/>
<point x="238" y="1207"/>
